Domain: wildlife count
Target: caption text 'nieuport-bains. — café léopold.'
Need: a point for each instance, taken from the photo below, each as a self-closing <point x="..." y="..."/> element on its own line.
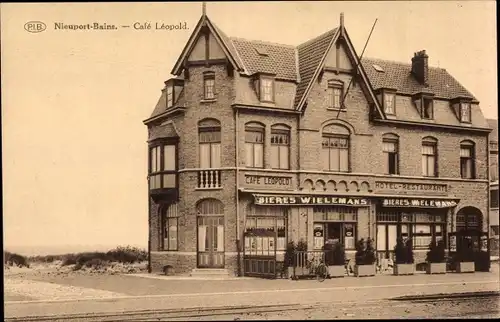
<point x="250" y="135"/>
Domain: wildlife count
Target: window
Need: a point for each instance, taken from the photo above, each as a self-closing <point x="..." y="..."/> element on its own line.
<point x="209" y="132"/>
<point x="254" y="145"/>
<point x="335" y="148"/>
<point x="494" y="198"/>
<point x="170" y="96"/>
<point x="335" y="94"/>
<point x="465" y="113"/>
<point x="389" y="103"/>
<point x="267" y="89"/>
<point x="429" y="158"/>
<point x="169" y="226"/>
<point x="390" y="149"/>
<point x="427" y="109"/>
<point x="209" y="86"/>
<point x="163" y="166"/>
<point x="280" y="147"/>
<point x="266" y="224"/>
<point x="422" y="227"/>
<point x="467" y="160"/>
<point x="335" y="224"/>
<point x="493" y="167"/>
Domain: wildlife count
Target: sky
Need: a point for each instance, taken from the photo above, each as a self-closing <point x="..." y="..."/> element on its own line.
<point x="74" y="148"/>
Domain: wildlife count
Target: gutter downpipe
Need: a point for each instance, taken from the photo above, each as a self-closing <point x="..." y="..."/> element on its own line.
<point x="237" y="147"/>
<point x="149" y="226"/>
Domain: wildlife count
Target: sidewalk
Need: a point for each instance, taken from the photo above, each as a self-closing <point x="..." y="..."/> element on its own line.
<point x="154" y="294"/>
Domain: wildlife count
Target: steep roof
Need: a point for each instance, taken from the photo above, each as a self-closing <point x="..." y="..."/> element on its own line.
<point x="276" y="59"/>
<point x="398" y="76"/>
<point x="310" y="55"/>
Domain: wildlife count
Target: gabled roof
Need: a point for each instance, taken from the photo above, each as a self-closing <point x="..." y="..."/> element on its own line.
<point x="276" y="58"/>
<point x="398" y="76"/>
<point x="221" y="38"/>
<point x="310" y="55"/>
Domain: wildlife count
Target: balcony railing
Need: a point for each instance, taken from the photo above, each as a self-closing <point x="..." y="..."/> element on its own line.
<point x="209" y="179"/>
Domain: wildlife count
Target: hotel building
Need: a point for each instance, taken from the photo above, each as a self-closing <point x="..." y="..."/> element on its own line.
<point x="252" y="145"/>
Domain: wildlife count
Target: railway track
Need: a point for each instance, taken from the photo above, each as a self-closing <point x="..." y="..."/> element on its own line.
<point x="233" y="311"/>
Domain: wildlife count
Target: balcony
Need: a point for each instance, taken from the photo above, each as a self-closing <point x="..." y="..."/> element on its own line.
<point x="209" y="179"/>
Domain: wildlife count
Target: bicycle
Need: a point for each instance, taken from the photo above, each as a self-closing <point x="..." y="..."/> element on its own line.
<point x="319" y="270"/>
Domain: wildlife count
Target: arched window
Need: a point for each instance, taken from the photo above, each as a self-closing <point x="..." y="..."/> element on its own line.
<point x="429" y="157"/>
<point x="390" y="147"/>
<point x="210" y="207"/>
<point x="209" y="133"/>
<point x="467" y="158"/>
<point x="280" y="147"/>
<point x="254" y="145"/>
<point x="169" y="224"/>
<point x="335" y="148"/>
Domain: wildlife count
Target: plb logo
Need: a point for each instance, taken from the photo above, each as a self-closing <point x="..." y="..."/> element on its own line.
<point x="35" y="26"/>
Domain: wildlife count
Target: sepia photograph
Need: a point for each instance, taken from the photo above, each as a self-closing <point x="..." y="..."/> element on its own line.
<point x="249" y="160"/>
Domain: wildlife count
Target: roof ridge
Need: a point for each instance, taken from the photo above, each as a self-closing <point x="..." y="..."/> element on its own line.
<point x="397" y="62"/>
<point x="332" y="31"/>
<point x="263" y="42"/>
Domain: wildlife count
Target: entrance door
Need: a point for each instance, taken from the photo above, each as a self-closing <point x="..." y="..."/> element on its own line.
<point x="210" y="242"/>
<point x="386" y="240"/>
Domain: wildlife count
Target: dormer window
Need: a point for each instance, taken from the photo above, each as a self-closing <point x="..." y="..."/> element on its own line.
<point x="335" y="94"/>
<point x="172" y="90"/>
<point x="389" y="103"/>
<point x="170" y="96"/>
<point x="465" y="113"/>
<point x="427" y="109"/>
<point x="267" y="89"/>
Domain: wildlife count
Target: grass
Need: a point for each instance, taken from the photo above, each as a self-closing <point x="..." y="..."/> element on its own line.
<point x="121" y="254"/>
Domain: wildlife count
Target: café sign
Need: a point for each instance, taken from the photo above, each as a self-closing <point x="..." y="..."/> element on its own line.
<point x="408" y="187"/>
<point x="261" y="180"/>
<point x="308" y="200"/>
<point x="419" y="203"/>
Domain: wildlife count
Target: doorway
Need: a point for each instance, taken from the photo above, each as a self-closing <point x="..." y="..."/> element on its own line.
<point x="211" y="242"/>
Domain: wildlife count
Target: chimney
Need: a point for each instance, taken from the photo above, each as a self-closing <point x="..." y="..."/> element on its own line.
<point x="342" y="19"/>
<point x="420" y="67"/>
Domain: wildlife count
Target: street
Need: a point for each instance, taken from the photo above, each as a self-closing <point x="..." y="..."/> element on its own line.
<point x="132" y="297"/>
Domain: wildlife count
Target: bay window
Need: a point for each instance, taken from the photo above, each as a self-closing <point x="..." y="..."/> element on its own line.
<point x="163" y="166"/>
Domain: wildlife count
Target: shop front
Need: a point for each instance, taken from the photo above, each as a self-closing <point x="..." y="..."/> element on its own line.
<point x="422" y="220"/>
<point x="273" y="220"/>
